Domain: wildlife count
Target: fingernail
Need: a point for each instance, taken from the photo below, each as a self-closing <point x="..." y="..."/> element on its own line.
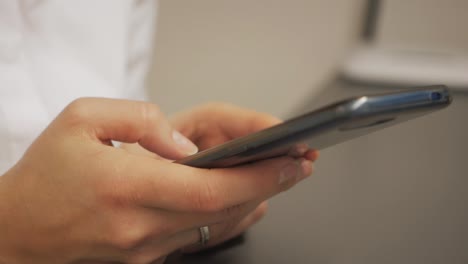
<point x="184" y="143"/>
<point x="306" y="168"/>
<point x="295" y="171"/>
<point x="298" y="150"/>
<point x="289" y="173"/>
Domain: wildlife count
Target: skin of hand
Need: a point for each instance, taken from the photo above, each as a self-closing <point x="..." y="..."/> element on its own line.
<point x="215" y="123"/>
<point x="74" y="198"/>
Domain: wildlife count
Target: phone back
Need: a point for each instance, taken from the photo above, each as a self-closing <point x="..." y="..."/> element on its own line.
<point x="325" y="127"/>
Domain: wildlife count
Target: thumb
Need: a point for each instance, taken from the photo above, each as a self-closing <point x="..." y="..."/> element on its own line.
<point x="129" y="122"/>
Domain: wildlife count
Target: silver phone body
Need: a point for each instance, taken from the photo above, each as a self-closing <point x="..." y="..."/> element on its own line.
<point x="325" y="127"/>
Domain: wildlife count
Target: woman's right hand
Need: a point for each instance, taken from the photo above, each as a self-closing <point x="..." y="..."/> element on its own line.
<point x="74" y="198"/>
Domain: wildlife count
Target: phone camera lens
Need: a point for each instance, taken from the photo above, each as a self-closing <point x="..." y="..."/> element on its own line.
<point x="436" y="96"/>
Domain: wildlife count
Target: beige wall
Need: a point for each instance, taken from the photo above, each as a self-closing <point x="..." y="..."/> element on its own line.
<point x="424" y="25"/>
<point x="264" y="54"/>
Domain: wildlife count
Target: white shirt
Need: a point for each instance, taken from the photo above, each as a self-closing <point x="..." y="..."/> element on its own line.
<point x="53" y="51"/>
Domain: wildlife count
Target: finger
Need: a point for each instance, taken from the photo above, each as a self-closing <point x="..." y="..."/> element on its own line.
<point x="233" y="120"/>
<point x="159" y="247"/>
<point x="248" y="121"/>
<point x="225" y="231"/>
<point x="303" y="150"/>
<point x="127" y="121"/>
<point x="190" y="237"/>
<point x="245" y="224"/>
<point x="136" y="149"/>
<point x="212" y="190"/>
<point x="311" y="155"/>
<point x="178" y="222"/>
<point x="298" y="150"/>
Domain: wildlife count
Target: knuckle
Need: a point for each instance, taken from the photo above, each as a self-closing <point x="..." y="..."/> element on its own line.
<point x="127" y="237"/>
<point x="234" y="211"/>
<point x="123" y="242"/>
<point x="150" y="112"/>
<point x="208" y="199"/>
<point x="78" y="110"/>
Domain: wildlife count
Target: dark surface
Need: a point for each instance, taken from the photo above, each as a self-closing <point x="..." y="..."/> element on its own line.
<point x="396" y="196"/>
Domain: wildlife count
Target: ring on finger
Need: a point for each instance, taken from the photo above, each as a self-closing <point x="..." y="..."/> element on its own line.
<point x="204" y="235"/>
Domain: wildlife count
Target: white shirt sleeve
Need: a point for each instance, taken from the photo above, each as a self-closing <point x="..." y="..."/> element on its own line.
<point x="141" y="33"/>
<point x="54" y="51"/>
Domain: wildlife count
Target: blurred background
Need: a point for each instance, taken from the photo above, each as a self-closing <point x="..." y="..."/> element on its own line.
<point x="269" y="54"/>
<point x="395" y="196"/>
<point x="263" y="54"/>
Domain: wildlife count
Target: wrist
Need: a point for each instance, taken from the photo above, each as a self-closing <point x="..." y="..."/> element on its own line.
<point x="5" y="221"/>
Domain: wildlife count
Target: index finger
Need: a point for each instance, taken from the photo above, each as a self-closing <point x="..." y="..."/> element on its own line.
<point x="234" y="121"/>
<point x="127" y="121"/>
<point x="244" y="121"/>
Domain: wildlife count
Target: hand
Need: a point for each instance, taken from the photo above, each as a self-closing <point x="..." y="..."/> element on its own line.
<point x="74" y="198"/>
<point x="215" y="123"/>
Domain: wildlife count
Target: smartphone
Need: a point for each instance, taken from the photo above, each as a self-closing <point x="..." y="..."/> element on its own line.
<point x="325" y="127"/>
